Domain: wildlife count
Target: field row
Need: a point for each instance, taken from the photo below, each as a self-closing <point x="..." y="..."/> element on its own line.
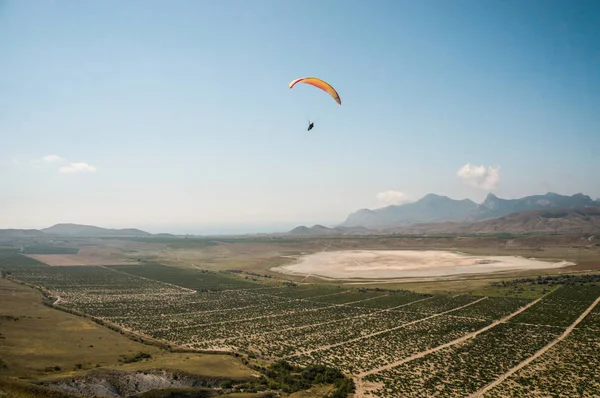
<point x="561" y="307"/>
<point x="364" y="354"/>
<point x="463" y="369"/>
<point x="271" y="315"/>
<point x="569" y="369"/>
<point x="468" y="366"/>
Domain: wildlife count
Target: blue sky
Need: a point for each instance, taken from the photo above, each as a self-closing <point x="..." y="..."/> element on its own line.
<point x="178" y="116"/>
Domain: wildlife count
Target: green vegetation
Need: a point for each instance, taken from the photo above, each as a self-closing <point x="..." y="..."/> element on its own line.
<point x="381" y="347"/>
<point x="492" y="308"/>
<point x="48" y="249"/>
<point x="288" y="378"/>
<point x="551" y="280"/>
<point x="140" y="356"/>
<point x="11" y="260"/>
<point x="569" y="369"/>
<point x="477" y="286"/>
<point x="514" y="290"/>
<point x="202" y="280"/>
<point x="178" y="242"/>
<point x="561" y="307"/>
<point x="525" y="288"/>
<point x="465" y="368"/>
<point x="468" y="366"/>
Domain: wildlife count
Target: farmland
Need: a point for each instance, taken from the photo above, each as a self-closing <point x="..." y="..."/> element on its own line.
<point x="568" y="369"/>
<point x="469" y="366"/>
<point x="390" y="340"/>
<point x="40" y="343"/>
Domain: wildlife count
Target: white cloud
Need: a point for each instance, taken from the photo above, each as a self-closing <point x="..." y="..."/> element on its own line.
<point x="79" y="167"/>
<point x="52" y="159"/>
<point x="486" y="178"/>
<point x="65" y="165"/>
<point x="387" y="198"/>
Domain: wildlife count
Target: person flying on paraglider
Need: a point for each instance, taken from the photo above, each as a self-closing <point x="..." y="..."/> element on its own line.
<point x="323" y="85"/>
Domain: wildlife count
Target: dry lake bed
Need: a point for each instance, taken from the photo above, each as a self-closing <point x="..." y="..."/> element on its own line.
<point x="384" y="264"/>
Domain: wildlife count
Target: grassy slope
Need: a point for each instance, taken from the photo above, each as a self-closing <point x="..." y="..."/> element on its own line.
<point x="14" y="389"/>
<point x="44" y="337"/>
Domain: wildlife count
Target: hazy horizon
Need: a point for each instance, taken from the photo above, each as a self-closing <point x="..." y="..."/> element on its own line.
<point x="234" y="228"/>
<point x="144" y="115"/>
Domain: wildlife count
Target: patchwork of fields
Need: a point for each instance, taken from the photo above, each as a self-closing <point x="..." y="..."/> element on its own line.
<point x="395" y="343"/>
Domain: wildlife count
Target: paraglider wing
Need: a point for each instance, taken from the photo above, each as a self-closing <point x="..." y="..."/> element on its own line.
<point x="313" y="81"/>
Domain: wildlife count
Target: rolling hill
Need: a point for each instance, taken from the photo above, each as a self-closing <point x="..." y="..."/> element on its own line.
<point x="90" y="231"/>
<point x="21" y="233"/>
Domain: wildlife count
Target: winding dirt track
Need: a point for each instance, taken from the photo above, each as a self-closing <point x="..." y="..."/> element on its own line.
<point x="541" y="352"/>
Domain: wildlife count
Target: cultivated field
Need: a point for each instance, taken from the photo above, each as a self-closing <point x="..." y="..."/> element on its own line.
<point x="41" y="343"/>
<point x="83" y="256"/>
<point x="76" y="259"/>
<point x="534" y="335"/>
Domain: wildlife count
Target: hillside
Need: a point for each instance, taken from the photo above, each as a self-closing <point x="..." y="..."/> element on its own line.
<point x="21" y="233"/>
<point x="89" y="231"/>
<point x="584" y="220"/>
<point x="439" y="209"/>
<point x="320" y="230"/>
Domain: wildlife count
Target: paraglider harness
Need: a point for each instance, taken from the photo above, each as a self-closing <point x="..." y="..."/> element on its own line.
<point x="310" y="125"/>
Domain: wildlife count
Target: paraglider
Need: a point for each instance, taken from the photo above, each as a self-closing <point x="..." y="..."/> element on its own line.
<point x="323" y="85"/>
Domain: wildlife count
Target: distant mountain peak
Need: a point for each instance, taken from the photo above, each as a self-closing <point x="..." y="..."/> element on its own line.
<point x="491" y="202"/>
<point x="434" y="196"/>
<point x="429" y="208"/>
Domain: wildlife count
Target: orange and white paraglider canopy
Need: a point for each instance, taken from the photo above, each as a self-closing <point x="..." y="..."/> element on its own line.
<point x="323" y="85"/>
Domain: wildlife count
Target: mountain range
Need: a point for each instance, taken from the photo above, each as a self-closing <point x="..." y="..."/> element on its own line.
<point x="434" y="208"/>
<point x="581" y="220"/>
